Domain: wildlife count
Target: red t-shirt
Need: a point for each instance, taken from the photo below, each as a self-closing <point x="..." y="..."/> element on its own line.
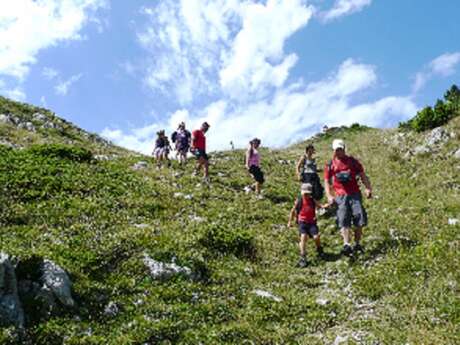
<point x="307" y="212"/>
<point x="345" y="165"/>
<point x="199" y="140"/>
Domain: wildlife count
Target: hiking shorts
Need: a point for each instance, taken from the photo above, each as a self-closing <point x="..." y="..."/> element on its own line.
<point x="257" y="173"/>
<point x="311" y="229"/>
<point x="200" y="153"/>
<point x="182" y="149"/>
<point x="350" y="210"/>
<point x="160" y="151"/>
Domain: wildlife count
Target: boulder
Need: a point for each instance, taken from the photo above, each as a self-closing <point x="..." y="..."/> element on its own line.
<point x="11" y="312"/>
<point x="457" y="154"/>
<point x="28" y="126"/>
<point x="422" y="149"/>
<point x="163" y="271"/>
<point x="140" y="165"/>
<point x="57" y="281"/>
<point x="437" y="136"/>
<point x="40" y="117"/>
<point x="6" y="119"/>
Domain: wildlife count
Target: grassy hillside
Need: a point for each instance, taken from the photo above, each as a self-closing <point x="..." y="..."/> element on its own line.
<point x="23" y="125"/>
<point x="100" y="219"/>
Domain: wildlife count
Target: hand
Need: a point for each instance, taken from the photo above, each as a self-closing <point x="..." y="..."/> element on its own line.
<point x="299" y="177"/>
<point x="289" y="224"/>
<point x="330" y="199"/>
<point x="368" y="193"/>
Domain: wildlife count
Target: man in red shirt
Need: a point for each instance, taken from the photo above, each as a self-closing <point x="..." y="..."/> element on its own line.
<point x="199" y="149"/>
<point x="343" y="171"/>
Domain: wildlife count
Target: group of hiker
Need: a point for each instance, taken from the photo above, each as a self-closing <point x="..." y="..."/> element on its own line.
<point x="341" y="176"/>
<point x="184" y="142"/>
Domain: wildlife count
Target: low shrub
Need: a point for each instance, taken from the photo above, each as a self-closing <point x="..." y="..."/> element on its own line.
<point x="220" y="239"/>
<point x="73" y="153"/>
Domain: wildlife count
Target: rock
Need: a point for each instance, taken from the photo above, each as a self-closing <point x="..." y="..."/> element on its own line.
<point x="197" y="219"/>
<point x="57" y="281"/>
<point x="266" y="294"/>
<point x="322" y="301"/>
<point x="140" y="165"/>
<point x="457" y="154"/>
<point x="11" y="312"/>
<point x="340" y="340"/>
<point x="50" y="125"/>
<point x="422" y="149"/>
<point x="453" y="221"/>
<point x="163" y="271"/>
<point x="27" y="126"/>
<point x="40" y="117"/>
<point x="6" y="119"/>
<point x="111" y="309"/>
<point x="436" y="136"/>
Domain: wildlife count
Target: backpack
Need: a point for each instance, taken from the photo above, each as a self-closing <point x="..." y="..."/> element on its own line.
<point x="174" y="137"/>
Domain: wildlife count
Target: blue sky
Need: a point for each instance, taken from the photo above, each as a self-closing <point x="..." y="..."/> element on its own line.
<point x="275" y="69"/>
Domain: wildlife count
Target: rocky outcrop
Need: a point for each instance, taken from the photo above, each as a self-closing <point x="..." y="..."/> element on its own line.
<point x="33" y="290"/>
<point x="164" y="271"/>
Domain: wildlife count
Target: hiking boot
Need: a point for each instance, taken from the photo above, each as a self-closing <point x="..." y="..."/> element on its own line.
<point x="320" y="252"/>
<point x="302" y="262"/>
<point x="358" y="249"/>
<point x="347" y="250"/>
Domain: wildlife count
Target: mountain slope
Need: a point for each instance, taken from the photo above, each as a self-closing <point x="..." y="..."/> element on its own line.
<point x="103" y="220"/>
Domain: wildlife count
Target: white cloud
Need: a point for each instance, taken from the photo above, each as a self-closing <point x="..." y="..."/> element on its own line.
<point x="343" y="8"/>
<point x="28" y="26"/>
<point x="211" y="47"/>
<point x="49" y="73"/>
<point x="290" y="115"/>
<point x="225" y="62"/>
<point x="63" y="87"/>
<point x="444" y="66"/>
<point x="15" y="93"/>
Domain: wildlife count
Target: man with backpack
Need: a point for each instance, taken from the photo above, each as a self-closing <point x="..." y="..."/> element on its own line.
<point x="341" y="176"/>
<point x="307" y="172"/>
<point x="199" y="150"/>
<point x="181" y="138"/>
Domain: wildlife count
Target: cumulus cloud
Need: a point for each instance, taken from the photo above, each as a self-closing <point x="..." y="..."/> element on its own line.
<point x="28" y="26"/>
<point x="343" y="8"/>
<point x="225" y="62"/>
<point x="63" y="87"/>
<point x="443" y="66"/>
<point x="211" y="47"/>
<point x="291" y="115"/>
<point x="16" y="93"/>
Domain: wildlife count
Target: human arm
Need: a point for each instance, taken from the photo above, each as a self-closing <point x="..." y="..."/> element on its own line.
<point x="292" y="216"/>
<point x="327" y="184"/>
<point x="367" y="185"/>
<point x="319" y="205"/>
<point x="300" y="163"/>
<point x="248" y="156"/>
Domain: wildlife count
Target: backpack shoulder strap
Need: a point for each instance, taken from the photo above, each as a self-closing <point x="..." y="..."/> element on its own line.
<point x="298" y="205"/>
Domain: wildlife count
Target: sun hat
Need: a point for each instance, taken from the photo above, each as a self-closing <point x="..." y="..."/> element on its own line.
<point x="306" y="188"/>
<point x="338" y="144"/>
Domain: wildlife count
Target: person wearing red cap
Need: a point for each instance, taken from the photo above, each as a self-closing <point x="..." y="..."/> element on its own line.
<point x="199" y="150"/>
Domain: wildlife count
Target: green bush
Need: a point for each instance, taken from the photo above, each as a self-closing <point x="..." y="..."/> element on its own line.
<point x="73" y="153"/>
<point x="223" y="240"/>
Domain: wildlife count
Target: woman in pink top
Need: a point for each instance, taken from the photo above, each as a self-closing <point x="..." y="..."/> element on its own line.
<point x="253" y="164"/>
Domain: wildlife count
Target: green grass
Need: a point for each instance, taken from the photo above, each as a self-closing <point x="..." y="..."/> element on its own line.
<point x="59" y="204"/>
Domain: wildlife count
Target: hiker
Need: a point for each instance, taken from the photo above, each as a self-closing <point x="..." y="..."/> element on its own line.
<point x="340" y="176"/>
<point x="199" y="150"/>
<point x="162" y="148"/>
<point x="307" y="172"/>
<point x="253" y="164"/>
<point x="304" y="211"/>
<point x="181" y="139"/>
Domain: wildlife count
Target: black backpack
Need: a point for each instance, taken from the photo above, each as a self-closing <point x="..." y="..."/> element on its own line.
<point x="317" y="188"/>
<point x="174" y="137"/>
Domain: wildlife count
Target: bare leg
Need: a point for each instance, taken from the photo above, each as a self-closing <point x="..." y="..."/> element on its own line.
<point x="317" y="239"/>
<point x="345" y="232"/>
<point x="358" y="234"/>
<point x="302" y="243"/>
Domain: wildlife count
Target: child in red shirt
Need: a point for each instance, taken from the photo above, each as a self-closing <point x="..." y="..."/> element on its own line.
<point x="305" y="211"/>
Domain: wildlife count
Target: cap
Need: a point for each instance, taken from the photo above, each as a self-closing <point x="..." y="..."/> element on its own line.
<point x="306" y="188"/>
<point x="338" y="144"/>
<point x="205" y="124"/>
